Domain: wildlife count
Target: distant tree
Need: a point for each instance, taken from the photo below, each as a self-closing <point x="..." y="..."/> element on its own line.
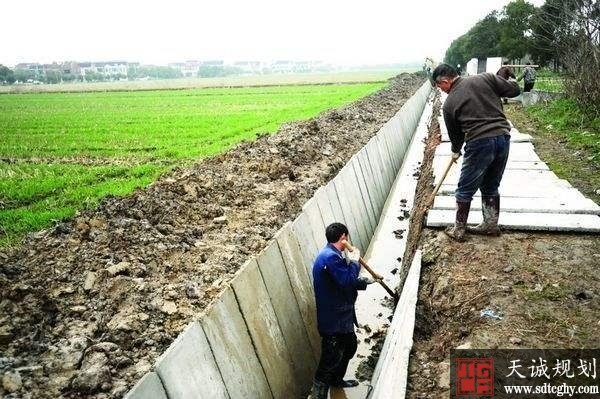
<point x="515" y="30"/>
<point x="569" y="32"/>
<point x="456" y="53"/>
<point x="53" y="76"/>
<point x="23" y="75"/>
<point x="69" y="77"/>
<point x="483" y="38"/>
<point x="480" y="41"/>
<point x="212" y="71"/>
<point x="579" y="47"/>
<point x="545" y="27"/>
<point x="156" y="72"/>
<point x="6" y="74"/>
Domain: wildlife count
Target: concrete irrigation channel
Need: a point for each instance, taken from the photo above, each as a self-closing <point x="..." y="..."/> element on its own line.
<point x="258" y="339"/>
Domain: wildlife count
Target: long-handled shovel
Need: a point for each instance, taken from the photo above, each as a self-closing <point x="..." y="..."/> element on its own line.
<point x="376" y="276"/>
<point x="437" y="187"/>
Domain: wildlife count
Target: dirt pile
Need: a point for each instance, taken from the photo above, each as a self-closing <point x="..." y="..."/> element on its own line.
<point x="520" y="290"/>
<point x="86" y="307"/>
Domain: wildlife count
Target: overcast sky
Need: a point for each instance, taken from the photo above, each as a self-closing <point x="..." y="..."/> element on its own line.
<point x="338" y="31"/>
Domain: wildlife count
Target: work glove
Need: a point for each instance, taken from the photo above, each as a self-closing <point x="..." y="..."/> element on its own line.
<point x="455" y="156"/>
<point x="367" y="280"/>
<point x="354" y="256"/>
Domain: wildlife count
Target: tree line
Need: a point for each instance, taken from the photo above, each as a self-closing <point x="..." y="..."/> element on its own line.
<point x="9" y="76"/>
<point x="563" y="35"/>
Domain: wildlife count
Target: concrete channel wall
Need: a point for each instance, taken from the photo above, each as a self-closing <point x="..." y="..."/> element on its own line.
<point x="259" y="338"/>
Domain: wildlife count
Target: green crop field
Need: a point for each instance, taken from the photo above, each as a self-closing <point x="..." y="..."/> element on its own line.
<point x="60" y="152"/>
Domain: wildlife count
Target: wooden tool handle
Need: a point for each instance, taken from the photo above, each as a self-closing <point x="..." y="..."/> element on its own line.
<point x="376" y="276"/>
<point x="437" y="187"/>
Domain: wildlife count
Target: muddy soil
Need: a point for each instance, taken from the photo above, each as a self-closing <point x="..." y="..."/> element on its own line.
<point x="88" y="306"/>
<point x="542" y="290"/>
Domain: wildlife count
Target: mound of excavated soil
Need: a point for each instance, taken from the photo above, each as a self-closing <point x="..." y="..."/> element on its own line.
<point x="86" y="307"/>
<point x="542" y="291"/>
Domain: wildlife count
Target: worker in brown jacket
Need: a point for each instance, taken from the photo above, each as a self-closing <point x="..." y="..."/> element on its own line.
<point x="474" y="117"/>
<point x="506" y="72"/>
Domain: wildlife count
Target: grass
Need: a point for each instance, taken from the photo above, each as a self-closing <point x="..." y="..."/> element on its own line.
<point x="228" y="81"/>
<point x="567" y="140"/>
<point x="564" y="119"/>
<point x="551" y="84"/>
<point x="60" y="152"/>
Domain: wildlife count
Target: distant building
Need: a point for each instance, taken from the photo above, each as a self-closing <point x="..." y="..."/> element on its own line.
<point x="106" y="69"/>
<point x="188" y="69"/>
<point x="249" y="67"/>
<point x="282" y="66"/>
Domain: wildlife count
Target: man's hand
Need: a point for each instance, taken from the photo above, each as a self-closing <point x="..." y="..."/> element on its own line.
<point x="354" y="255"/>
<point x="367" y="280"/>
<point x="455" y="156"/>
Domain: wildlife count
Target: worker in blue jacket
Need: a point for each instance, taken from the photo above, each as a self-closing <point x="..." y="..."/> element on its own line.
<point x="336" y="281"/>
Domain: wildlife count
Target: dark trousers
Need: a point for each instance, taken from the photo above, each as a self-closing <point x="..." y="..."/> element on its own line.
<point x="482" y="168"/>
<point x="336" y="352"/>
<point x="528" y="86"/>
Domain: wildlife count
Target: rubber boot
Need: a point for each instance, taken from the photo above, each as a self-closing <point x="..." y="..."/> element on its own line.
<point x="457" y="232"/>
<point x="319" y="390"/>
<point x="490" y="208"/>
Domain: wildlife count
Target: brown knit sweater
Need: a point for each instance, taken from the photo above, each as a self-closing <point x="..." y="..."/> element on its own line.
<point x="473" y="108"/>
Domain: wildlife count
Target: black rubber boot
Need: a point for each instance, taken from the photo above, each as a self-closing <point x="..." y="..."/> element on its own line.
<point x="457" y="232"/>
<point x="346" y="384"/>
<point x="319" y="390"/>
<point x="490" y="208"/>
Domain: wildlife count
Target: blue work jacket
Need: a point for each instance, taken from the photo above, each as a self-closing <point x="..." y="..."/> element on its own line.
<point x="336" y="284"/>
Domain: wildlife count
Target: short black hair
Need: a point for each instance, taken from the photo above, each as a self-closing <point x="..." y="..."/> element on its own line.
<point x="334" y="231"/>
<point x="444" y="71"/>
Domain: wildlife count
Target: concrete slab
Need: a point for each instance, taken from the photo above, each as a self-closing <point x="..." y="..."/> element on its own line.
<point x="325" y="207"/>
<point x="526" y="205"/>
<point x="267" y="338"/>
<point x="304" y="236"/>
<point x="275" y="277"/>
<point x="374" y="157"/>
<point x="393" y="137"/>
<point x="386" y="161"/>
<point x="302" y="285"/>
<point x="519" y="155"/>
<point x="315" y="221"/>
<point x="188" y="368"/>
<point x="518" y="152"/>
<point x="391" y="372"/>
<point x="403" y="133"/>
<point x="334" y="202"/>
<point x="234" y="352"/>
<point x="389" y="145"/>
<point x="512" y="189"/>
<point x="360" y="200"/>
<point x="518" y="176"/>
<point x="348" y="194"/>
<point x="372" y="218"/>
<point x="440" y="162"/>
<point x="149" y="387"/>
<point x="525" y="221"/>
<point x="374" y="185"/>
<point x="515" y="136"/>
